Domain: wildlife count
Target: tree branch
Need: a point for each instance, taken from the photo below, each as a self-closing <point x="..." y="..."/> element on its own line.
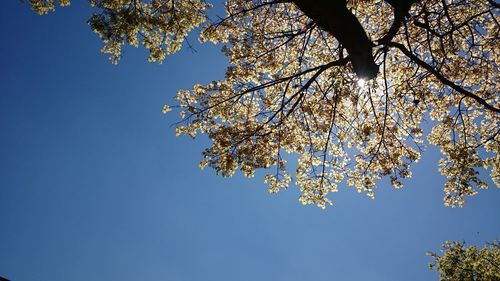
<point x="401" y="9"/>
<point x="441" y="78"/>
<point x="334" y="17"/>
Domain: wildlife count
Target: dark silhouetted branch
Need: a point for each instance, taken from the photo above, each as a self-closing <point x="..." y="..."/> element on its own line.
<point x="441" y="78"/>
<point x="334" y="17"/>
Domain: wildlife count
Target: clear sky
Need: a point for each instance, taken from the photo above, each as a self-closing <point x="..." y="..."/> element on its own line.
<point x="94" y="185"/>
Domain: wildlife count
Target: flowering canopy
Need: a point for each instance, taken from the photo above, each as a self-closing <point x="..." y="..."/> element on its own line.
<point x="343" y="85"/>
<point x="460" y="263"/>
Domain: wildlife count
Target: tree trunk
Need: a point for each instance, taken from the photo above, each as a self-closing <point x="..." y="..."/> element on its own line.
<point x="334" y="17"/>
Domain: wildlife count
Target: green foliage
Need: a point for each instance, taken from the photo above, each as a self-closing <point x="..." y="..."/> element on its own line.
<point x="460" y="263"/>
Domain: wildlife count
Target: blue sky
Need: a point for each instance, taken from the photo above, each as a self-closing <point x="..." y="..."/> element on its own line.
<point x="94" y="185"/>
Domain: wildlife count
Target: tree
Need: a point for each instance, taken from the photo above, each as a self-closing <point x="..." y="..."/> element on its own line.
<point x="344" y="85"/>
<point x="459" y="263"/>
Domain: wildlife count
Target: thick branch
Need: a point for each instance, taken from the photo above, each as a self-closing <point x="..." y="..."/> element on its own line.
<point x="401" y="9"/>
<point x="441" y="78"/>
<point x="334" y="17"/>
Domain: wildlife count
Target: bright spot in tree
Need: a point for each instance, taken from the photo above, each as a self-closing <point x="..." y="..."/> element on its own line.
<point x="361" y="82"/>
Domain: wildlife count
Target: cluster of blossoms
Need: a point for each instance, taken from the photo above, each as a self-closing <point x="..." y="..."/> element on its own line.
<point x="43" y="7"/>
<point x="160" y="26"/>
<point x="290" y="89"/>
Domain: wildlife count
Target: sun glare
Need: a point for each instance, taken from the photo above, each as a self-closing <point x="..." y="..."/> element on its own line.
<point x="361" y="83"/>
